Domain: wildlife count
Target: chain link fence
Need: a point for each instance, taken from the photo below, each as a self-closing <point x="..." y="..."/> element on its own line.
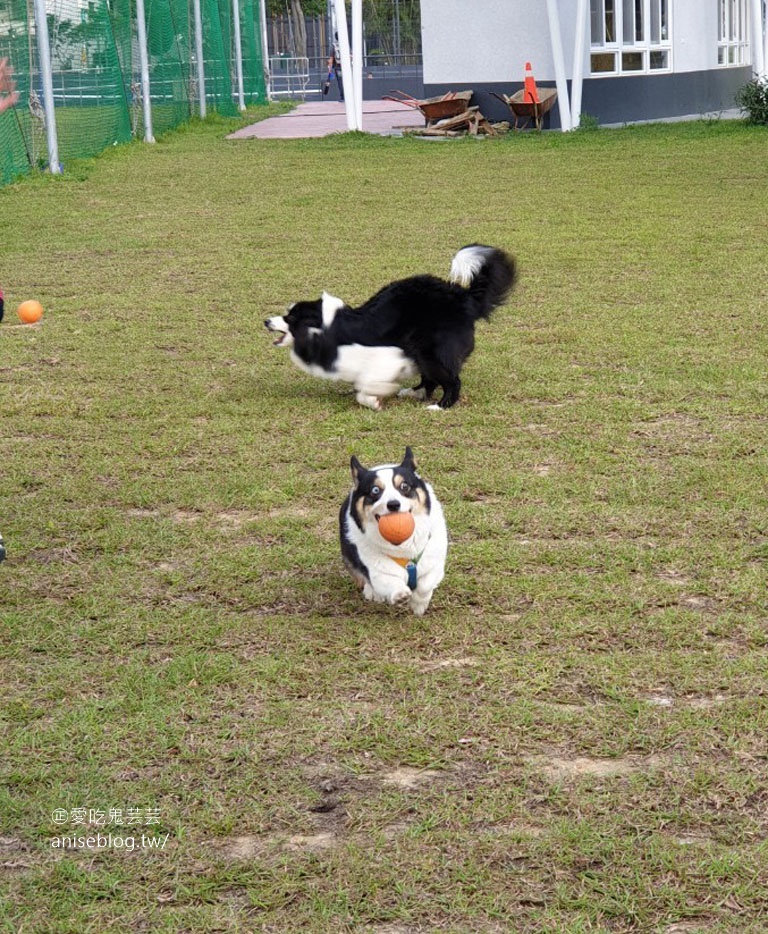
<point x="96" y="96"/>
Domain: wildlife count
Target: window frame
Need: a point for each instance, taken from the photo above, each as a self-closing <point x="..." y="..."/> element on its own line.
<point x="733" y="34"/>
<point x="645" y="43"/>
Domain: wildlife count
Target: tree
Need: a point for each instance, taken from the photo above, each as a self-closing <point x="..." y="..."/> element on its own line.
<point x="392" y="27"/>
<point x="308" y="7"/>
<point x="299" y="27"/>
<point x="297" y="10"/>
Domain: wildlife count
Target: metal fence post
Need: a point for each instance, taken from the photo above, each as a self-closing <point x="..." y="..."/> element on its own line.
<point x="46" y="73"/>
<point x="199" y="56"/>
<point x="265" y="47"/>
<point x="146" y="102"/>
<point x="238" y="54"/>
<point x="357" y="61"/>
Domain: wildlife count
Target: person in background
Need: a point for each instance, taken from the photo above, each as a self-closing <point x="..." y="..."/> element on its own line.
<point x="8" y="93"/>
<point x="334" y="65"/>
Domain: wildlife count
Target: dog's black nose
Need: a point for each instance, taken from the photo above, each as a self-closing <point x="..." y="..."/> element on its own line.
<point x="393" y="505"/>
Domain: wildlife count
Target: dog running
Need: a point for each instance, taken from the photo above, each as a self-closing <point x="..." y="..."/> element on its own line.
<point x="403" y="573"/>
<point x="420" y="326"/>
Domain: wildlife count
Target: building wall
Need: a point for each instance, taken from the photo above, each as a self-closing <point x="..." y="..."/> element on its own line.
<point x="484" y="41"/>
<point x="487" y="49"/>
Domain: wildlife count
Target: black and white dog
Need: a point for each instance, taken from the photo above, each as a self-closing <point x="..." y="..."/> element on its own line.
<point x="421" y="325"/>
<point x="387" y="573"/>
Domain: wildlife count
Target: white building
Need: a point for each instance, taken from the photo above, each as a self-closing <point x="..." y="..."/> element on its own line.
<point x="618" y="61"/>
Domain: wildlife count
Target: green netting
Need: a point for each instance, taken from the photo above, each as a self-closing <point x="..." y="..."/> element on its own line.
<point x="91" y="104"/>
<point x="168" y="43"/>
<point x="254" y="84"/>
<point x="216" y="46"/>
<point x="22" y="131"/>
<point x="95" y="66"/>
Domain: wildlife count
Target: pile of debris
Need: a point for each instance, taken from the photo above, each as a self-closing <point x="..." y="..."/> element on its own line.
<point x="449" y="115"/>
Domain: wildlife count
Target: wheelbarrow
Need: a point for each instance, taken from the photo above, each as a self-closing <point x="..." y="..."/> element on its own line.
<point x="526" y="112"/>
<point x="434" y="109"/>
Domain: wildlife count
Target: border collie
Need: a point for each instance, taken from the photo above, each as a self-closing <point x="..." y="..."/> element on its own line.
<point x="395" y="574"/>
<point x="420" y="325"/>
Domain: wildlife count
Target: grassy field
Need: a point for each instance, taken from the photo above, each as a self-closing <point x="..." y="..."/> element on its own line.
<point x="573" y="739"/>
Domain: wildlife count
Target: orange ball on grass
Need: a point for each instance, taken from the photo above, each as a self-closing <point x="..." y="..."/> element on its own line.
<point x="30" y="311"/>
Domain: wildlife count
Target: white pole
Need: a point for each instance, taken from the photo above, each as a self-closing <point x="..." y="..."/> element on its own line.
<point x="44" y="53"/>
<point x="557" y="54"/>
<point x="238" y="54"/>
<point x="346" y="70"/>
<point x="199" y="55"/>
<point x="265" y="45"/>
<point x="758" y="47"/>
<point x="146" y="102"/>
<point x="357" y="59"/>
<point x="578" y="63"/>
<point x="765" y="42"/>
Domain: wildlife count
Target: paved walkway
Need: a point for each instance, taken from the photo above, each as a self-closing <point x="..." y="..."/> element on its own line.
<point x="321" y="118"/>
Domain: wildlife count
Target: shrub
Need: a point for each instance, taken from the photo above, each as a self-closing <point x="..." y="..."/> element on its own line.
<point x="753" y="99"/>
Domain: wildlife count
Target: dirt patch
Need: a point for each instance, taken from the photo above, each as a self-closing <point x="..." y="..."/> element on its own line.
<point x="395" y="829"/>
<point x="671" y="576"/>
<point x="186" y="516"/>
<point x="252" y="846"/>
<point x="692" y="839"/>
<point x="310" y="843"/>
<point x="392" y="929"/>
<point x="704" y="703"/>
<point x="687" y="927"/>
<point x="64" y="555"/>
<point x="558" y="768"/>
<point x="447" y="663"/>
<point x="14" y="854"/>
<point x="139" y="513"/>
<point x="235" y="518"/>
<point x="658" y="699"/>
<point x="246" y="847"/>
<point x="291" y="511"/>
<point x="408" y="778"/>
<point x="699" y="603"/>
<point x="662" y="699"/>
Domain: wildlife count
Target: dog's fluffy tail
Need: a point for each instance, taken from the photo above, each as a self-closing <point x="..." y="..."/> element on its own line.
<point x="488" y="273"/>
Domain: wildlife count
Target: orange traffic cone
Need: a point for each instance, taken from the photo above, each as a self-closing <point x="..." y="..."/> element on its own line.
<point x="530" y="91"/>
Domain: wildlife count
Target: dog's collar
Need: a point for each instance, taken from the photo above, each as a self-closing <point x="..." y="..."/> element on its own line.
<point x="411" y="566"/>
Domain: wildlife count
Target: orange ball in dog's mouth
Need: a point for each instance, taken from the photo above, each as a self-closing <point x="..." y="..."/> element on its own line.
<point x="396" y="527"/>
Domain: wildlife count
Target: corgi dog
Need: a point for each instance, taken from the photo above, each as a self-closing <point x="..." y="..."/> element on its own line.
<point x="405" y="573"/>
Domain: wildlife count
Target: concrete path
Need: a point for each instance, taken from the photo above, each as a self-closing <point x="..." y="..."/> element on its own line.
<point x="321" y="118"/>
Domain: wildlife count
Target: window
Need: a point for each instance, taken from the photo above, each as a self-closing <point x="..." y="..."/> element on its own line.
<point x="631" y="36"/>
<point x="733" y="33"/>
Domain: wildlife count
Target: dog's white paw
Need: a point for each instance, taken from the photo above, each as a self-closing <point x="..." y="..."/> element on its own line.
<point x="399" y="597"/>
<point x="370" y="594"/>
<point x="435" y="408"/>
<point x="370" y="402"/>
<point x="419" y="604"/>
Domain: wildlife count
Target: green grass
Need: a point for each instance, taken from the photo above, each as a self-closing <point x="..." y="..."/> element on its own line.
<point x="573" y="738"/>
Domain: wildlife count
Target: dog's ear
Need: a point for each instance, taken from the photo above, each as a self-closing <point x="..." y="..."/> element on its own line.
<point x="408" y="461"/>
<point x="357" y="469"/>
